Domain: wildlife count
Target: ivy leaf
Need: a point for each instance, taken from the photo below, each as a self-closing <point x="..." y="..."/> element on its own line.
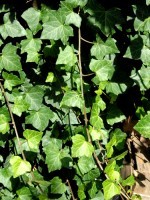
<point x="81" y="147"/>
<point x="103" y="68"/>
<point x="115" y="88"/>
<point x="118" y="139"/>
<point x="33" y="138"/>
<point x="134" y="50"/>
<point x="143" y="126"/>
<point x="57" y="187"/>
<point x="9" y="60"/>
<point x="50" y="78"/>
<point x="67" y="57"/>
<point x="32" y="17"/>
<point x="71" y="16"/>
<point x="40" y="118"/>
<point x="100" y="49"/>
<point x="53" y="157"/>
<point x="24" y="193"/>
<point x="130" y="181"/>
<point x="142" y="77"/>
<point x="114" y="115"/>
<point x="95" y="119"/>
<point x="110" y="189"/>
<point x="145" y="56"/>
<point x="76" y="3"/>
<point x="5" y="176"/>
<point x="31" y="46"/>
<point x="55" y="28"/>
<point x="72" y="99"/>
<point x="34" y="97"/>
<point x="11" y="80"/>
<point x="19" y="166"/>
<point x="85" y="164"/>
<point x="11" y="27"/>
<point x="20" y="105"/>
<point x="105" y="20"/>
<point x="4" y="125"/>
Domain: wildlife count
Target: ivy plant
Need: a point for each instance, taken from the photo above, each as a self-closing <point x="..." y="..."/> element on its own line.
<point x="71" y="73"/>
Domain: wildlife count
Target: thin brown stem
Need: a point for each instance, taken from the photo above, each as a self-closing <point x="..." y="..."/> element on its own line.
<point x="86" y="41"/>
<point x="68" y="182"/>
<point x="13" y="121"/>
<point x="81" y="81"/>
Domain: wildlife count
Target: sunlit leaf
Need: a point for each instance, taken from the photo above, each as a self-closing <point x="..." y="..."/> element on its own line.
<point x="19" y="166"/>
<point x="110" y="189"/>
<point x="67" y="57"/>
<point x="57" y="186"/>
<point x="11" y="27"/>
<point x="24" y="193"/>
<point x="55" y="28"/>
<point x="9" y="60"/>
<point x="85" y="164"/>
<point x="40" y="118"/>
<point x="4" y="125"/>
<point x="81" y="147"/>
<point x="143" y="126"/>
<point x="33" y="138"/>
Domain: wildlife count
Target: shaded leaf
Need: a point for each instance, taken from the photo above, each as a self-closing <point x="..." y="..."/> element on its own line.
<point x="85" y="164"/>
<point x="57" y="187"/>
<point x="4" y="124"/>
<point x="24" y="193"/>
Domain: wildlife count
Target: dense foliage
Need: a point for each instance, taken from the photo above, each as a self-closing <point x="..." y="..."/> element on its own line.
<point x="72" y="72"/>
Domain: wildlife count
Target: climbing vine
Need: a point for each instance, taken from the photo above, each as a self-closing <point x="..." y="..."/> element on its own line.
<point x="72" y="73"/>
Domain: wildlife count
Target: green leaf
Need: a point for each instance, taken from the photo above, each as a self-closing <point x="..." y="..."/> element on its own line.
<point x="72" y="99"/>
<point x="9" y="60"/>
<point x="85" y="164"/>
<point x="114" y="115"/>
<point x="19" y="166"/>
<point x="145" y="56"/>
<point x="142" y="77"/>
<point x="143" y="126"/>
<point x="4" y="125"/>
<point x="53" y="157"/>
<point x="92" y="175"/>
<point x="101" y="49"/>
<point x="34" y="97"/>
<point x="11" y="27"/>
<point x="134" y="50"/>
<point x="81" y="147"/>
<point x="115" y="88"/>
<point x="76" y="3"/>
<point x="40" y="118"/>
<point x="32" y="17"/>
<point x="140" y="25"/>
<point x="31" y="46"/>
<point x="67" y="57"/>
<point x="105" y="20"/>
<point x="73" y="18"/>
<point x="57" y="187"/>
<point x="24" y="193"/>
<point x="147" y="2"/>
<point x="11" y="80"/>
<point x="110" y="189"/>
<point x="50" y="78"/>
<point x="20" y="106"/>
<point x="55" y="28"/>
<point x="103" y="68"/>
<point x="95" y="120"/>
<point x="33" y="138"/>
<point x="5" y="176"/>
<point x="118" y="139"/>
<point x="129" y="181"/>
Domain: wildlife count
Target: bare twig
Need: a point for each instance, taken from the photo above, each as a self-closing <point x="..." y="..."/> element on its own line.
<point x="81" y="81"/>
<point x="68" y="182"/>
<point x="86" y="41"/>
<point x="13" y="121"/>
